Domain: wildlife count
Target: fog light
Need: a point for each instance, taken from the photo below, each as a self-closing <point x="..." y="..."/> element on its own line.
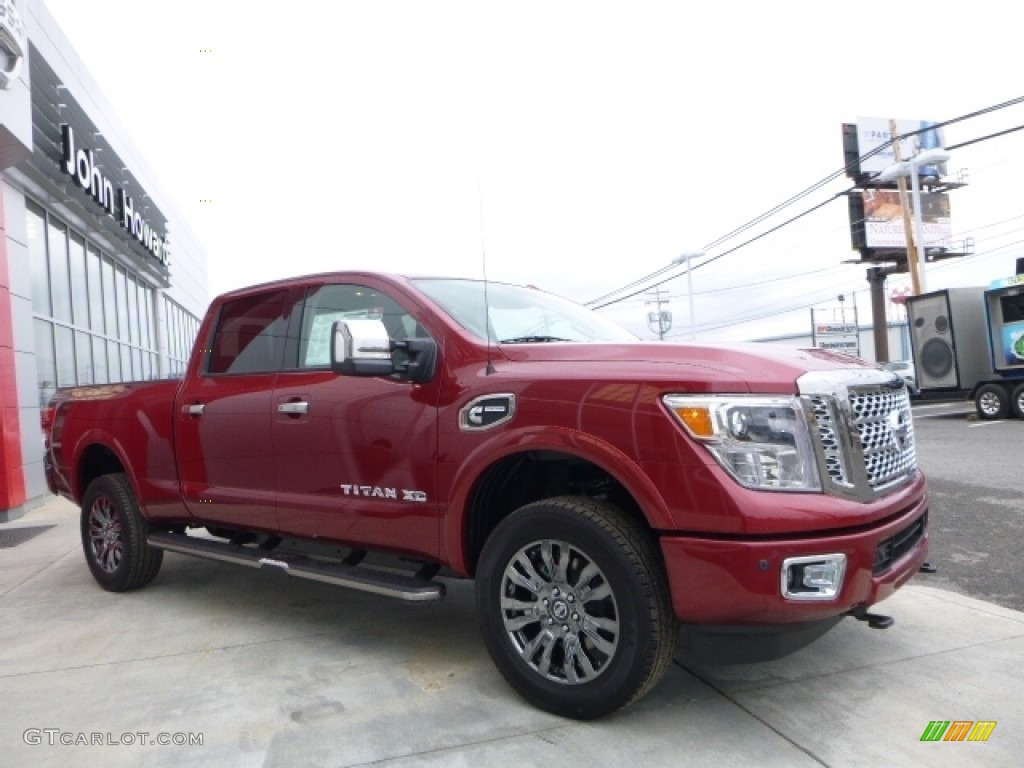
<point x="813" y="577"/>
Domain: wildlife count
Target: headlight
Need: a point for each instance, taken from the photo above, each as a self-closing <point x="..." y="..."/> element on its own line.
<point x="762" y="441"/>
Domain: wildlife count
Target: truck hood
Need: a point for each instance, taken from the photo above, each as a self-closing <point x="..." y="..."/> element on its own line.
<point x="751" y="367"/>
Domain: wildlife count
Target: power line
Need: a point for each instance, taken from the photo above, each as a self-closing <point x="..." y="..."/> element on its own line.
<point x="800" y="195"/>
<point x="795" y="308"/>
<point x="635" y="283"/>
<point x="724" y="253"/>
<point x="855" y="164"/>
<point x="985" y="138"/>
<point x="755" y="284"/>
<point x="743" y="286"/>
<point x="786" y="310"/>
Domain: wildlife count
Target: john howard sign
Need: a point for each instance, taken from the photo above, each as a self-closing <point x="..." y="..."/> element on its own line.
<point x="80" y="164"/>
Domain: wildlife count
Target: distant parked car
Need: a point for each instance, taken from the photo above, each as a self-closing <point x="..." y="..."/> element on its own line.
<point x="906" y="369"/>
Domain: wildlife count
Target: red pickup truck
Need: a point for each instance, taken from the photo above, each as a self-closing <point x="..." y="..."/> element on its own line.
<point x="382" y="432"/>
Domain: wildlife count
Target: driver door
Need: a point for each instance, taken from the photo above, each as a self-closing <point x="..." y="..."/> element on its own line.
<point x="355" y="457"/>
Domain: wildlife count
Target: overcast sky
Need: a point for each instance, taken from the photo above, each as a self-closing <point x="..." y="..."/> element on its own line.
<point x="579" y="145"/>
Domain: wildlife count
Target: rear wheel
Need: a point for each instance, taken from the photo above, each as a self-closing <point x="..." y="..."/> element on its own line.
<point x="574" y="608"/>
<point x="992" y="402"/>
<point x="1017" y="401"/>
<point x="114" y="536"/>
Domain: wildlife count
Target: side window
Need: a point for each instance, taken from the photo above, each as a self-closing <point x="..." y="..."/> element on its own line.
<point x="250" y="334"/>
<point x="328" y="304"/>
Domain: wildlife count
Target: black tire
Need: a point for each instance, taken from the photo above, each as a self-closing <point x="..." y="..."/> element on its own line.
<point x="1017" y="401"/>
<point x="992" y="402"/>
<point x="595" y="630"/>
<point x="114" y="536"/>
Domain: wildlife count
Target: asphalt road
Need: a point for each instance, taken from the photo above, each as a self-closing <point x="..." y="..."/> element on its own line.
<point x="975" y="471"/>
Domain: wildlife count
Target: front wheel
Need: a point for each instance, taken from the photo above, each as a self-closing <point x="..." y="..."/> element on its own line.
<point x="114" y="536"/>
<point x="574" y="608"/>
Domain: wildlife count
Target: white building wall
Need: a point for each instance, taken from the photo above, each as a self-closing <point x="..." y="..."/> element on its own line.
<point x="188" y="273"/>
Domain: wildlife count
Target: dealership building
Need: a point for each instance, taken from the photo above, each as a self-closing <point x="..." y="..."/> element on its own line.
<point x="101" y="280"/>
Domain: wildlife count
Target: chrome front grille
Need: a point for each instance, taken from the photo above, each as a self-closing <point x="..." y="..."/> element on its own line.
<point x="863" y="430"/>
<point x="882" y="421"/>
<point x="828" y="440"/>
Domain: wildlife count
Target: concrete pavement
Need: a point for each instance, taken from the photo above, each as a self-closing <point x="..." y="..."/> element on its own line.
<point x="269" y="671"/>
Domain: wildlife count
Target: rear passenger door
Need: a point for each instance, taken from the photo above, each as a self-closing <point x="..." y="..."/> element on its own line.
<point x="223" y="423"/>
<point x="355" y="457"/>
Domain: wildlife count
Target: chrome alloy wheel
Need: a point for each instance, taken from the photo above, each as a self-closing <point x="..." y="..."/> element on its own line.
<point x="560" y="612"/>
<point x="990" y="403"/>
<point x="105" y="534"/>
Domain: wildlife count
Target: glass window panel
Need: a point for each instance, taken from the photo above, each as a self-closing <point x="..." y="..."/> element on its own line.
<point x="147" y="372"/>
<point x="121" y="281"/>
<point x="60" y="281"/>
<point x="175" y="332"/>
<point x="109" y="304"/>
<point x="168" y="328"/>
<point x="137" y="365"/>
<point x="79" y="289"/>
<point x="250" y="334"/>
<point x="146" y="337"/>
<point x="65" y="338"/>
<point x="37" y="260"/>
<point x="151" y="310"/>
<point x="83" y="353"/>
<point x="46" y="361"/>
<point x="126" y="363"/>
<point x="92" y="268"/>
<point x="147" y="309"/>
<point x="132" y="300"/>
<point x="179" y="316"/>
<point x="114" y="361"/>
<point x="172" y="341"/>
<point x="99" y="360"/>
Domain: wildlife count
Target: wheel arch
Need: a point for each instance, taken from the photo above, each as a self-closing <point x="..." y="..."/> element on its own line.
<point x="98" y="456"/>
<point x="533" y="467"/>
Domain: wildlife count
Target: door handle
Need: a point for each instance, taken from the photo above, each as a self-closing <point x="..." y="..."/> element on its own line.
<point x="294" y="408"/>
<point x="196" y="409"/>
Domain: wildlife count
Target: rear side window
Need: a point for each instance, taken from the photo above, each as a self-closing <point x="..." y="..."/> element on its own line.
<point x="250" y="334"/>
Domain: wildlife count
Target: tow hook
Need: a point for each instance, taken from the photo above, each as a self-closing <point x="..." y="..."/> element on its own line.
<point x="874" y="620"/>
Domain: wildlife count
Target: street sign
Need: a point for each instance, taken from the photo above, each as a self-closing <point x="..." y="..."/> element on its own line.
<point x="838" y="346"/>
<point x="836" y="329"/>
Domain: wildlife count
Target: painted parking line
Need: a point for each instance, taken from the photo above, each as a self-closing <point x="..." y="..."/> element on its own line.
<point x="932" y="406"/>
<point x="944" y="413"/>
<point x="986" y="423"/>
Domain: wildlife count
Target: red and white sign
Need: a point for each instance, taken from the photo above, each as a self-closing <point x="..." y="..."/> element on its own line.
<point x="899" y="295"/>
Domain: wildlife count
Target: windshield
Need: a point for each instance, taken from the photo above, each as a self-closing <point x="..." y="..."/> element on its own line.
<point x="519" y="315"/>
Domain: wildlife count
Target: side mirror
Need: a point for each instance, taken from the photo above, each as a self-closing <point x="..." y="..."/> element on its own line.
<point x="421" y="362"/>
<point x="361" y="348"/>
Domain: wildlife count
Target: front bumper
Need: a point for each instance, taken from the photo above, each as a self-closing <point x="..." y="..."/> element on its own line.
<point x="737" y="582"/>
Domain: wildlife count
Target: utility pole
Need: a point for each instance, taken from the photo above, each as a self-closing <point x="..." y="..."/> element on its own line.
<point x="659" y="321"/>
<point x="908" y="228"/>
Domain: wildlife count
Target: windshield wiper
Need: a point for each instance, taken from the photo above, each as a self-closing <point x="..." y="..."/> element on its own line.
<point x="531" y="340"/>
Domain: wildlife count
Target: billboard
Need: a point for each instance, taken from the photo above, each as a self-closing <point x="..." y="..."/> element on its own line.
<point x="873" y="132"/>
<point x="883" y="219"/>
